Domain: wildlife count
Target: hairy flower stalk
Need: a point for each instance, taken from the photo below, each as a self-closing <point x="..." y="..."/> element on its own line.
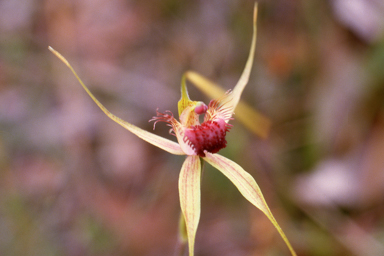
<point x="200" y="142"/>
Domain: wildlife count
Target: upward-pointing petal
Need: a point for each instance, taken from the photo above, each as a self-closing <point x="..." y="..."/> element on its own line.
<point x="189" y="192"/>
<point x="252" y="119"/>
<point x="247" y="186"/>
<point x="165" y="144"/>
<point x="237" y="91"/>
<point x="215" y="91"/>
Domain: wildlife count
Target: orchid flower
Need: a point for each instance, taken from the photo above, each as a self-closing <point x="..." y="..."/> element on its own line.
<point x="200" y="141"/>
<point x="250" y="118"/>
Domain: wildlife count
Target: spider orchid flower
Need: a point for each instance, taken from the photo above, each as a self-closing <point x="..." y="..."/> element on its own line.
<point x="200" y="141"/>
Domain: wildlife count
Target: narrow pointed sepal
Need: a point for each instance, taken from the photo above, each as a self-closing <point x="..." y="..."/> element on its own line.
<point x="247" y="186"/>
<point x="189" y="192"/>
<point x="165" y="144"/>
<point x="238" y="90"/>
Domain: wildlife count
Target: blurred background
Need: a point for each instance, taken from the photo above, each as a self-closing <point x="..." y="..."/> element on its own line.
<point x="73" y="182"/>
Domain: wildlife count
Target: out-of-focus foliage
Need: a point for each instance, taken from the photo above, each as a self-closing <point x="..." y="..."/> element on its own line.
<point x="73" y="183"/>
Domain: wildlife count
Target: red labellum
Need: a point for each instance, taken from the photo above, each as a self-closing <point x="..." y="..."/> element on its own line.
<point x="209" y="136"/>
<point x="195" y="138"/>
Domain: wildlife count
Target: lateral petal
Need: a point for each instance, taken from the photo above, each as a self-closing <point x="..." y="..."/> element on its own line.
<point x="165" y="144"/>
<point x="189" y="192"/>
<point x="237" y="91"/>
<point x="253" y="120"/>
<point x="215" y="91"/>
<point x="247" y="186"/>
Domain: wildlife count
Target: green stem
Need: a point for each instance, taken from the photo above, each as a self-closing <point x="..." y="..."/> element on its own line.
<point x="202" y="167"/>
<point x="182" y="238"/>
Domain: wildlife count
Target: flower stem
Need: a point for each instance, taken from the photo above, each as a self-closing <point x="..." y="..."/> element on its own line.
<point x="182" y="238"/>
<point x="202" y="167"/>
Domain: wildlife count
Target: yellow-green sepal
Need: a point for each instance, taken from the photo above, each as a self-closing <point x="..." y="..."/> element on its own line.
<point x="189" y="193"/>
<point x="247" y="186"/>
<point x="185" y="101"/>
<point x="163" y="143"/>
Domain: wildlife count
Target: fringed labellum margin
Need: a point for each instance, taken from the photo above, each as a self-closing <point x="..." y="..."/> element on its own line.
<point x="197" y="138"/>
